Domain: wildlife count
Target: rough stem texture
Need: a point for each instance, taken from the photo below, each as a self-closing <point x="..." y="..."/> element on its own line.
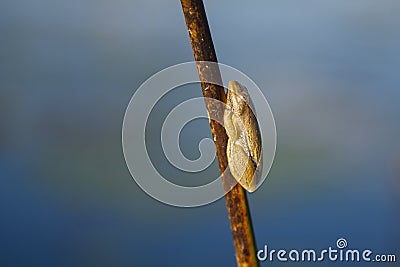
<point x="236" y="201"/>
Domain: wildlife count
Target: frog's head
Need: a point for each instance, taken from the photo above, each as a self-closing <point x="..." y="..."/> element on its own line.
<point x="238" y="97"/>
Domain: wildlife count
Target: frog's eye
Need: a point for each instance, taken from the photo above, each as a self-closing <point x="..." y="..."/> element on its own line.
<point x="245" y="97"/>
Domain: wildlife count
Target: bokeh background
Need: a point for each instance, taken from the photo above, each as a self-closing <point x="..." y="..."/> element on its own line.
<point x="330" y="70"/>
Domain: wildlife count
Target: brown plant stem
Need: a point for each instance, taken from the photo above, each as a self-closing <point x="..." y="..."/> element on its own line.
<point x="236" y="201"/>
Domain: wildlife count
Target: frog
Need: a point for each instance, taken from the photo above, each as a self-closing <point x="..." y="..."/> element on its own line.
<point x="244" y="147"/>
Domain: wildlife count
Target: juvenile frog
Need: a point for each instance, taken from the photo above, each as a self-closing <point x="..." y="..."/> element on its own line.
<point x="244" y="140"/>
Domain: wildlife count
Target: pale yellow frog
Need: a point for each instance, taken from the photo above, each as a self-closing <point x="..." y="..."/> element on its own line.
<point x="244" y="143"/>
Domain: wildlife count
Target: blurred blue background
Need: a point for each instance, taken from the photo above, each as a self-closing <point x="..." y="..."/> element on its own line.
<point x="330" y="70"/>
